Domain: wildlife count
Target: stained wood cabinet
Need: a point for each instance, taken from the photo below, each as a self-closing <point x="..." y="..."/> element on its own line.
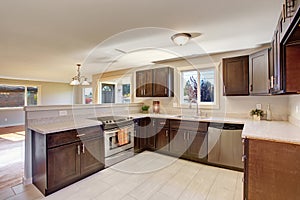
<point x="163" y="82"/>
<point x="259" y="82"/>
<point x="144" y="83"/>
<point x="62" y="158"/>
<point x="140" y="135"/>
<point x="158" y="82"/>
<point x="188" y="139"/>
<point x="162" y="136"/>
<point x="272" y="170"/>
<point x="236" y="76"/>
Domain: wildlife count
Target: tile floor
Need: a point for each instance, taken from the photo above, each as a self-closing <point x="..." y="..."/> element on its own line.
<point x="148" y="176"/>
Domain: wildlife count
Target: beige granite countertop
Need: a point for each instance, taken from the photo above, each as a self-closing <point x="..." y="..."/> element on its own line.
<point x="279" y="131"/>
<point x="63" y="126"/>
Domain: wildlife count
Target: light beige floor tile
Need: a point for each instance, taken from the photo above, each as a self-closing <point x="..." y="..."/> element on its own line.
<point x="128" y="197"/>
<point x="177" y="184"/>
<point x="6" y="193"/>
<point x="29" y="194"/>
<point x="21" y="188"/>
<point x="113" y="193"/>
<point x="161" y="196"/>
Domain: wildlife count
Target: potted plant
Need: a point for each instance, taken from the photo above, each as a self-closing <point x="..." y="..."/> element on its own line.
<point x="256" y="114"/>
<point x="145" y="108"/>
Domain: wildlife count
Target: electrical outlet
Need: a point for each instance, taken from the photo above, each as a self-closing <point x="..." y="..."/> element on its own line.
<point x="63" y="113"/>
<point x="258" y="106"/>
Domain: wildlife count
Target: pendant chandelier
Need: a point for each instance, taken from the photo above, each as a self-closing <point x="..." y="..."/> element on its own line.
<point x="78" y="79"/>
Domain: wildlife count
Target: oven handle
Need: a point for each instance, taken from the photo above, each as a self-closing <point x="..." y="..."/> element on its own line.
<point x="117" y="129"/>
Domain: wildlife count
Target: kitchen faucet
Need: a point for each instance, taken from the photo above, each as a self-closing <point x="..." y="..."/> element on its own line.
<point x="197" y="109"/>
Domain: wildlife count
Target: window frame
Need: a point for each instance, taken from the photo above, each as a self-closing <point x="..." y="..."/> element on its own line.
<point x="205" y="105"/>
<point x="25" y="95"/>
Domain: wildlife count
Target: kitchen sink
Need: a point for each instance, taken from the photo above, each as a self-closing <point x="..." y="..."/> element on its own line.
<point x="189" y="116"/>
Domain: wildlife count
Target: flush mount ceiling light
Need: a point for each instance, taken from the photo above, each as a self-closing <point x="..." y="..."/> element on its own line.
<point x="78" y="79"/>
<point x="181" y="39"/>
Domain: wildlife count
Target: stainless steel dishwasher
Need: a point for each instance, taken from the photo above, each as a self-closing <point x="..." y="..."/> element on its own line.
<point x="225" y="146"/>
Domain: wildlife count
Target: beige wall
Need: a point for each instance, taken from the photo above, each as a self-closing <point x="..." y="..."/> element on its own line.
<point x="294" y="106"/>
<point x="240" y="105"/>
<point x="51" y="94"/>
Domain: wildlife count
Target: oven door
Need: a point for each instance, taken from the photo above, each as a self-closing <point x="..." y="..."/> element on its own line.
<point x="118" y="140"/>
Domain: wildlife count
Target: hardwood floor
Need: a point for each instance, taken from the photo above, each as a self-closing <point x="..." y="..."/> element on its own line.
<point x="11" y="156"/>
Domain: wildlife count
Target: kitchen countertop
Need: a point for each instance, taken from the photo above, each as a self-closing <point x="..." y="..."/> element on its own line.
<point x="63" y="126"/>
<point x="279" y="131"/>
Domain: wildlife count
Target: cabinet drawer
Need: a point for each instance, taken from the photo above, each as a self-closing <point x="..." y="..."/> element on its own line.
<point x="65" y="137"/>
<point x="162" y="123"/>
<point x="189" y="125"/>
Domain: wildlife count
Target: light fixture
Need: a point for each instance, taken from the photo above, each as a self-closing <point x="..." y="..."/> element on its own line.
<point x="78" y="79"/>
<point x="181" y="38"/>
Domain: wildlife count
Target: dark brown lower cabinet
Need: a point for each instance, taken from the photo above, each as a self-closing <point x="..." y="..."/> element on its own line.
<point x="162" y="140"/>
<point x="272" y="170"/>
<point x="62" y="158"/>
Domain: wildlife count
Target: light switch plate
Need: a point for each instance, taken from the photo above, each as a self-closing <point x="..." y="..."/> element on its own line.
<point x="258" y="106"/>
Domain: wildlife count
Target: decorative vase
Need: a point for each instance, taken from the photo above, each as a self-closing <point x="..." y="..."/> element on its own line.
<point x="256" y="117"/>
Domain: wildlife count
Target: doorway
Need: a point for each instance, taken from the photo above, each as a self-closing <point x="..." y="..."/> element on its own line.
<point x="108" y="93"/>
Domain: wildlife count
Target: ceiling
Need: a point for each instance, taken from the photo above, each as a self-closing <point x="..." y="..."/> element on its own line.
<point x="43" y="40"/>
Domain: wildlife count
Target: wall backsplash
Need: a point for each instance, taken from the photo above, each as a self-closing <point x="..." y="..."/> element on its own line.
<point x="294" y="109"/>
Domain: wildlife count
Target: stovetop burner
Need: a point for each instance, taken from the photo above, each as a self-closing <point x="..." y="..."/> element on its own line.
<point x="112" y="122"/>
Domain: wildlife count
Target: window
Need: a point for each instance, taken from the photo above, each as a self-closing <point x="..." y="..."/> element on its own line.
<point x="18" y="96"/>
<point x="199" y="85"/>
<point x="87" y="95"/>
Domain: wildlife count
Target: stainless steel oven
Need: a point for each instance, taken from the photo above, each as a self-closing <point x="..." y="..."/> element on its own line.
<point x="118" y="138"/>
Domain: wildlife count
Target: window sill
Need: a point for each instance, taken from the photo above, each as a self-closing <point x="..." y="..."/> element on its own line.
<point x="11" y="108"/>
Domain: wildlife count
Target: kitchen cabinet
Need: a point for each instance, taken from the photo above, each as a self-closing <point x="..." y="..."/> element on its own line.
<point x="284" y="69"/>
<point x="162" y="136"/>
<point x="62" y="158"/>
<point x="188" y="139"/>
<point x="236" y="76"/>
<point x="158" y="82"/>
<point x="144" y="83"/>
<point x="163" y="82"/>
<point x="259" y="82"/>
<point x="140" y="135"/>
<point x="291" y="59"/>
<point x="272" y="170"/>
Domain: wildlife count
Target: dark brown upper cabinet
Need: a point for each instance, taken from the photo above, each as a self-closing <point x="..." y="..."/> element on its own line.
<point x="144" y="83"/>
<point x="236" y="76"/>
<point x="163" y="82"/>
<point x="158" y="82"/>
<point x="290" y="56"/>
<point x="259" y="83"/>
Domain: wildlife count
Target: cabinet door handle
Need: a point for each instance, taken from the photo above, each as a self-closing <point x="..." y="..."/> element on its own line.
<point x="80" y="135"/>
<point x="166" y="91"/>
<point x="244" y="157"/>
<point x="167" y="133"/>
<point x="134" y="133"/>
<point x="78" y="149"/>
<point x="83" y="148"/>
<point x="251" y="88"/>
<point x="153" y="123"/>
<point x="224" y="89"/>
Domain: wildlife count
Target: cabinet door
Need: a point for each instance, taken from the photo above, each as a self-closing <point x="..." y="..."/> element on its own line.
<point x="163" y="82"/>
<point x="275" y="71"/>
<point x="140" y="136"/>
<point x="162" y="140"/>
<point x="151" y="131"/>
<point x="236" y="76"/>
<point x="178" y="141"/>
<point x="63" y="164"/>
<point x="92" y="156"/>
<point x="144" y="83"/>
<point x="292" y="68"/>
<point x="259" y="72"/>
<point x="272" y="170"/>
<point x="197" y="142"/>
